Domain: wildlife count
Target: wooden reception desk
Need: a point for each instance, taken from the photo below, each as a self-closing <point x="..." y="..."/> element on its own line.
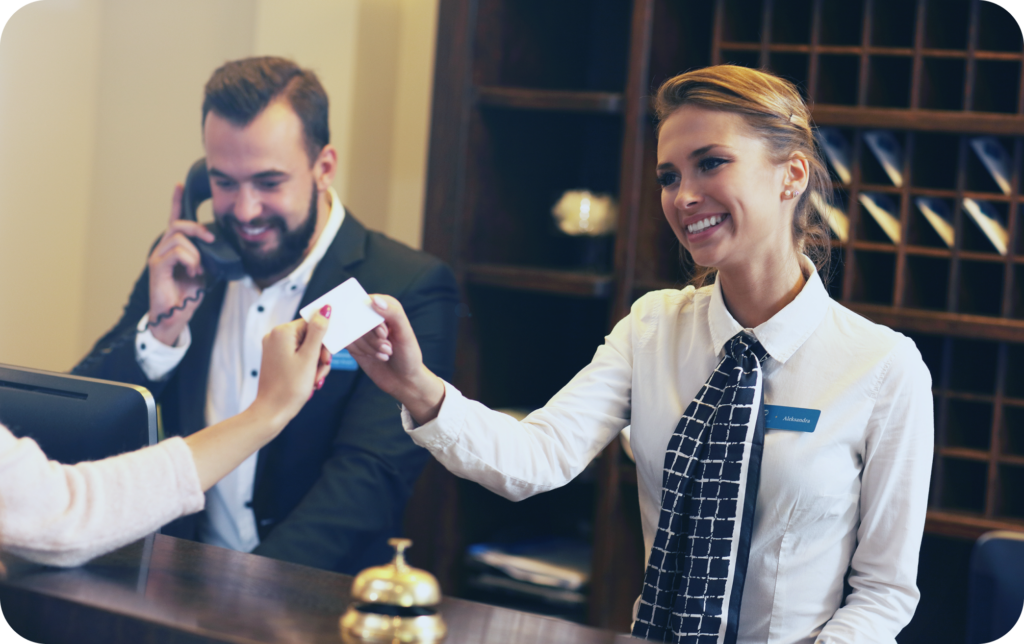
<point x="168" y="590"/>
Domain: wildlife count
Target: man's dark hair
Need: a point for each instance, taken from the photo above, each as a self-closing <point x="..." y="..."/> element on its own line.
<point x="239" y="90"/>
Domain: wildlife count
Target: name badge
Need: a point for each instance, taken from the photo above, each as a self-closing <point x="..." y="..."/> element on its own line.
<point x="790" y="418"/>
<point x="343" y="361"/>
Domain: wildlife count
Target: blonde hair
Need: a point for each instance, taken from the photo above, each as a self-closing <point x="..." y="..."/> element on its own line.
<point x="773" y="109"/>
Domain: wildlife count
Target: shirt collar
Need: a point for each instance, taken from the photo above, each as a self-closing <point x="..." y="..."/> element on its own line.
<point x="303" y="272"/>
<point x="787" y="330"/>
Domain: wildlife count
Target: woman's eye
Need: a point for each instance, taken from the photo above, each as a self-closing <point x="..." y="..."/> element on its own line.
<point x="666" y="179"/>
<point x="709" y="163"/>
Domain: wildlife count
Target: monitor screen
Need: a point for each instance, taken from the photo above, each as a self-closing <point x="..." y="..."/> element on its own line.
<point x="76" y="419"/>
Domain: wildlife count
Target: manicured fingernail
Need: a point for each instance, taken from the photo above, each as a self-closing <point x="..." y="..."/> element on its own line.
<point x="326" y="311"/>
<point x="319" y="383"/>
<point x="381" y="302"/>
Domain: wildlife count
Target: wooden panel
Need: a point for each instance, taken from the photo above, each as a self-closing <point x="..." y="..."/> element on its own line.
<point x="522" y="278"/>
<point x="538" y="99"/>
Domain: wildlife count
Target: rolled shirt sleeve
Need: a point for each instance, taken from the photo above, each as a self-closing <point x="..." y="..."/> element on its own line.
<point x="156" y="359"/>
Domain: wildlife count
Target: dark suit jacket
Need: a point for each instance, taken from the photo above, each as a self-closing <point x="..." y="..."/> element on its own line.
<point x="331" y="488"/>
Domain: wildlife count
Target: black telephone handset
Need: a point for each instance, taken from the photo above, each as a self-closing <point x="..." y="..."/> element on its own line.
<point x="220" y="261"/>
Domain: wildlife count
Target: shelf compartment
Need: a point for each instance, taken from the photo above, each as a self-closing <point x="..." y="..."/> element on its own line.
<point x="1014" y="387"/>
<point x="1010" y="497"/>
<point x="964" y="483"/>
<point x="927" y="283"/>
<point x="868" y="229"/>
<point x="524" y="161"/>
<point x="942" y="84"/>
<point x="972" y="366"/>
<point x="979" y="179"/>
<point x="841" y="22"/>
<point x="871" y="168"/>
<point x="1017" y="298"/>
<point x="741" y="21"/>
<point x="539" y="99"/>
<point x="889" y="81"/>
<point x="934" y="161"/>
<point x="792" y="67"/>
<point x="524" y="278"/>
<point x="791" y="21"/>
<point x="573" y="44"/>
<point x="837" y="82"/>
<point x="516" y="344"/>
<point x="997" y="29"/>
<point x="893" y="24"/>
<point x="931" y="348"/>
<point x="981" y="288"/>
<point x="971" y="236"/>
<point x="922" y="237"/>
<point x="1013" y="430"/>
<point x="873" y="281"/>
<point x="996" y="86"/>
<point x="945" y="24"/>
<point x="968" y="424"/>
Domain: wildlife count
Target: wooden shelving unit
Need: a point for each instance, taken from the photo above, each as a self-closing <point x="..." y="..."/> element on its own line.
<point x="534" y="97"/>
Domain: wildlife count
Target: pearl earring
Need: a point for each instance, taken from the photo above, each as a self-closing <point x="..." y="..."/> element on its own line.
<point x="788" y="194"/>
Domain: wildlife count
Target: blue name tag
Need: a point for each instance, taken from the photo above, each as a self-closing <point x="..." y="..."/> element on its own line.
<point x="791" y="418"/>
<point x="343" y="361"/>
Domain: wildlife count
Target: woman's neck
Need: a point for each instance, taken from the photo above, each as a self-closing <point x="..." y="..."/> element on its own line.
<point x="757" y="291"/>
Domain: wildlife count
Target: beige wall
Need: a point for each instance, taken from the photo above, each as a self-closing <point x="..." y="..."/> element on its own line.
<point x="99" y="117"/>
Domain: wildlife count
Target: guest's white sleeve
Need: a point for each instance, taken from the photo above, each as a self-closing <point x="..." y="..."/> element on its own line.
<point x="156" y="359"/>
<point x="64" y="515"/>
<point x="893" y="502"/>
<point x="550" y="446"/>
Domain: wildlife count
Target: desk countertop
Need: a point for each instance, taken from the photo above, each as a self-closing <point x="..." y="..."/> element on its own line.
<point x="169" y="590"/>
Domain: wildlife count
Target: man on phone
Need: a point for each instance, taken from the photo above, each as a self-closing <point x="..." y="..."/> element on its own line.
<point x="331" y="489"/>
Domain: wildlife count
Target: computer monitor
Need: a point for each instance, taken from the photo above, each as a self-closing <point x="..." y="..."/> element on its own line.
<point x="76" y="419"/>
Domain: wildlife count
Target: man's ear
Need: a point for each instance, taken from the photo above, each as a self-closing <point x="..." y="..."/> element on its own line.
<point x="325" y="166"/>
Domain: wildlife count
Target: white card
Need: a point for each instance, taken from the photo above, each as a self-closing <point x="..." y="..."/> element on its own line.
<point x="351" y="314"/>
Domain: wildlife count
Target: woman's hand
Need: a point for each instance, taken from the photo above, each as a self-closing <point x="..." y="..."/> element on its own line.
<point x="294" y="366"/>
<point x="390" y="355"/>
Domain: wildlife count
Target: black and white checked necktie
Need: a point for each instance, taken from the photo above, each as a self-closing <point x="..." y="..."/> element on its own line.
<point x="695" y="574"/>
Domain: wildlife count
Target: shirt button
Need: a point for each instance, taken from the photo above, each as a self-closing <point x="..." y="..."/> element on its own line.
<point x="294" y="287"/>
<point x="260" y="308"/>
<point x="255" y="373"/>
<point x="143" y="346"/>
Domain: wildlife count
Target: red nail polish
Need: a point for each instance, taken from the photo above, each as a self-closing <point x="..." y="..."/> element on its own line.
<point x="326" y="311"/>
<point x="319" y="383"/>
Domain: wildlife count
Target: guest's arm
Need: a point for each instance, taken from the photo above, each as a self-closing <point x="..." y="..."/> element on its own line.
<point x="67" y="514"/>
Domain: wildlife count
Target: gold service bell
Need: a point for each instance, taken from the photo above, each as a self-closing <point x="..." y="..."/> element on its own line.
<point x="394" y="604"/>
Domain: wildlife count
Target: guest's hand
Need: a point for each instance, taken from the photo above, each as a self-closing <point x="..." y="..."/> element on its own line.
<point x="390" y="355"/>
<point x="295" y="363"/>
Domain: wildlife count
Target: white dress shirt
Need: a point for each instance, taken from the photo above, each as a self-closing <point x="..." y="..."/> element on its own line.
<point x="246" y="316"/>
<point x="849" y="496"/>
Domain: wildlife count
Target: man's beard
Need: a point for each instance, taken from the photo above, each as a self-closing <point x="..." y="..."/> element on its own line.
<point x="290" y="249"/>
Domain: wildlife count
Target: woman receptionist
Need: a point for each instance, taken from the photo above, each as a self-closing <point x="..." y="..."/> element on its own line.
<point x="783" y="443"/>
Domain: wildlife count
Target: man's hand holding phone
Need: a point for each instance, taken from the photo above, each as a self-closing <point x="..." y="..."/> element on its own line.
<point x="175" y="274"/>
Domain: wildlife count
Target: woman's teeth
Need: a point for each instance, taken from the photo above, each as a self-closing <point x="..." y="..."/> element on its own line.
<point x="704" y="223"/>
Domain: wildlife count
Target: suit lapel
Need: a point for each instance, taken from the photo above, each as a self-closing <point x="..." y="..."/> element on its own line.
<point x="347" y="249"/>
